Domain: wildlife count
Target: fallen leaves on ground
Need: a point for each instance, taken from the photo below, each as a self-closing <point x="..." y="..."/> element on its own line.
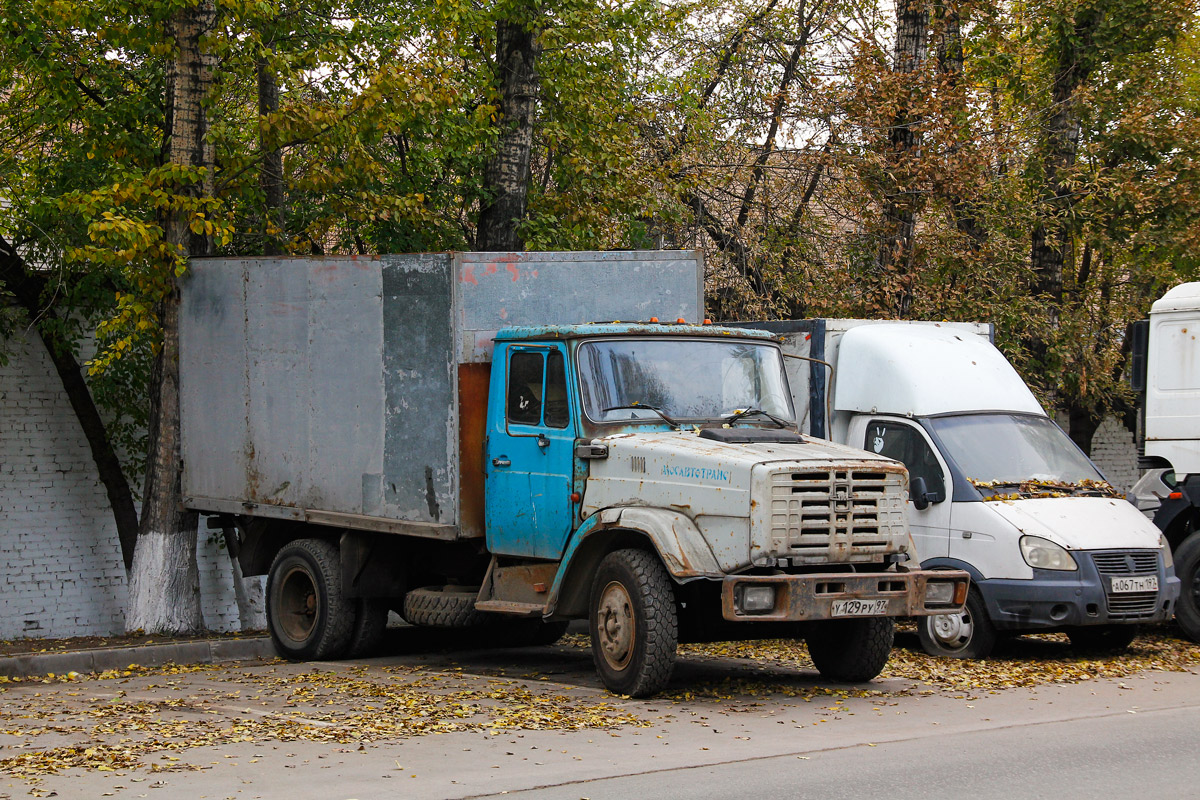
<point x="128" y="719"/>
<point x="124" y="725"/>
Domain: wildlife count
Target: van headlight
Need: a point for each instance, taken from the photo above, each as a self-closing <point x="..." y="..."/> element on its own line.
<point x="1168" y="559"/>
<point x="1042" y="553"/>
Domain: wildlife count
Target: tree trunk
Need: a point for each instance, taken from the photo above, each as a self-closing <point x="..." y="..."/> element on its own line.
<point x="164" y="585"/>
<point x="894" y="258"/>
<point x="270" y="175"/>
<point x="29" y="289"/>
<point x="1052" y="241"/>
<point x="507" y="176"/>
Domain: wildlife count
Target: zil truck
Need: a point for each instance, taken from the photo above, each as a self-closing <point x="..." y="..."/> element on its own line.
<point x="485" y="440"/>
<point x="1166" y="370"/>
<point x="997" y="488"/>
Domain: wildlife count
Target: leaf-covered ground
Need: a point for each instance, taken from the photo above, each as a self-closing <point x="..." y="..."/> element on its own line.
<point x="117" y="720"/>
<point x="145" y="720"/>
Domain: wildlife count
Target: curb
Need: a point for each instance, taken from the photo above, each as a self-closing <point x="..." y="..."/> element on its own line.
<point x="210" y="651"/>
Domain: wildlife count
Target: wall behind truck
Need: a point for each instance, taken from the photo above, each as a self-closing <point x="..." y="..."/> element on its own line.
<point x="61" y="572"/>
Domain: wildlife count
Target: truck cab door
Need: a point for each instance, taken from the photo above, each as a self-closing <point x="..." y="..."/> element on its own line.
<point x="908" y="444"/>
<point x="530" y="453"/>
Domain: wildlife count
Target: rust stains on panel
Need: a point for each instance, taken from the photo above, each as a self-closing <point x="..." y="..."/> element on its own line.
<point x="473" y="382"/>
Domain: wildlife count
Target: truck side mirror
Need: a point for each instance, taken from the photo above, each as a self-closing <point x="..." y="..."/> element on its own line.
<point x="918" y="492"/>
<point x="1138" y="348"/>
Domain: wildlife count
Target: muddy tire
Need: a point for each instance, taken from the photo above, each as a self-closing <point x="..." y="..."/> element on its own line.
<point x="443" y="607"/>
<point x="633" y="623"/>
<point x="966" y="634"/>
<point x="1187" y="567"/>
<point x="851" y="650"/>
<point x="307" y="615"/>
<point x="370" y="622"/>
<point x="1102" y="639"/>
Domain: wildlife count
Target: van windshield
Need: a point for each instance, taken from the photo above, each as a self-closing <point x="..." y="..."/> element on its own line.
<point x="1017" y="454"/>
<point x="684" y="379"/>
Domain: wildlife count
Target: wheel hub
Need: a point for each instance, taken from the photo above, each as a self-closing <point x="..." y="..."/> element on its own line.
<point x="615" y="625"/>
<point x="298" y="604"/>
<point x="953" y="630"/>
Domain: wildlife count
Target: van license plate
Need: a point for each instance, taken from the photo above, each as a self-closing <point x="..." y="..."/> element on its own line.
<point x="1145" y="583"/>
<point x="859" y="608"/>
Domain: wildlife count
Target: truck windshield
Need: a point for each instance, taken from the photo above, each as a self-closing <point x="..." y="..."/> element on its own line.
<point x="1005" y="452"/>
<point x="686" y="379"/>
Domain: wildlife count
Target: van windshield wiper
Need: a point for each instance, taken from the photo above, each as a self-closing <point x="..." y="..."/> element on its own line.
<point x="636" y="406"/>
<point x="745" y="412"/>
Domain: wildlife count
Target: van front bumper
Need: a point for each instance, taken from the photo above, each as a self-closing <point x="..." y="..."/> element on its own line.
<point x="1055" y="599"/>
<point x="842" y="595"/>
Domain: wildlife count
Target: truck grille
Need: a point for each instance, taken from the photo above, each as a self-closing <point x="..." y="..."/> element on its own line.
<point x="838" y="515"/>
<point x="1126" y="563"/>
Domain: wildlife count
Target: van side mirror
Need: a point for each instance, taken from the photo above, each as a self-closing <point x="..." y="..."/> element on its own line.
<point x="918" y="492"/>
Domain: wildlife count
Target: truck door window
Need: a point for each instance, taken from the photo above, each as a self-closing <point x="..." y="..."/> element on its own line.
<point x="906" y="444"/>
<point x="557" y="412"/>
<point x="525" y="373"/>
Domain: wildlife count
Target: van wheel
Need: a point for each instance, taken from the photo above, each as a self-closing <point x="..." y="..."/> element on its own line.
<point x="307" y="615"/>
<point x="965" y="634"/>
<point x="1104" y="639"/>
<point x="370" y="623"/>
<point x="633" y="623"/>
<point x="851" y="650"/>
<point x="1187" y="567"/>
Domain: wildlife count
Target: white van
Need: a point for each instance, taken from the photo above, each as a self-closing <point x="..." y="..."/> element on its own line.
<point x="997" y="488"/>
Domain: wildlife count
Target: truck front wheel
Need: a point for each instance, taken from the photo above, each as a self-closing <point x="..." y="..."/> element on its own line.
<point x="966" y="634"/>
<point x="851" y="650"/>
<point x="634" y="624"/>
<point x="1187" y="567"/>
<point x="307" y="614"/>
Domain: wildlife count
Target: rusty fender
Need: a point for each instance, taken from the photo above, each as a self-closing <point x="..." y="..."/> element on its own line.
<point x="812" y="597"/>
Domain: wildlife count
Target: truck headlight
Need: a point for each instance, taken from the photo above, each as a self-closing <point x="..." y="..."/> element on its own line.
<point x="758" y="599"/>
<point x="1168" y="559"/>
<point x="939" y="593"/>
<point x="1042" y="553"/>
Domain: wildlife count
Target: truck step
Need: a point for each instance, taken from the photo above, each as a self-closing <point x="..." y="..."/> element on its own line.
<point x="511" y="608"/>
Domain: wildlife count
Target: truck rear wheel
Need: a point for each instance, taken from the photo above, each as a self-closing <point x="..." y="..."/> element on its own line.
<point x="370" y="622"/>
<point x="633" y="623"/>
<point x="965" y="634"/>
<point x="443" y="607"/>
<point x="851" y="650"/>
<point x="1187" y="567"/>
<point x="307" y="615"/>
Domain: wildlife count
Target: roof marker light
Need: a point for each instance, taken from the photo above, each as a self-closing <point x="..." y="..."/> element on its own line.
<point x="680" y="321"/>
<point x="654" y="319"/>
<point x="707" y="321"/>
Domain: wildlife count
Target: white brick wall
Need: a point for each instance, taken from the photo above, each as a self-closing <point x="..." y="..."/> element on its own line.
<point x="1115" y="452"/>
<point x="62" y="573"/>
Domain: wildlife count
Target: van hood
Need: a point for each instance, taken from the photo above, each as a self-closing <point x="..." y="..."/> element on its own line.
<point x="1080" y="523"/>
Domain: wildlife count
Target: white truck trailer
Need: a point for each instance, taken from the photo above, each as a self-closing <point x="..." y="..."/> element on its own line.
<point x="1166" y="368"/>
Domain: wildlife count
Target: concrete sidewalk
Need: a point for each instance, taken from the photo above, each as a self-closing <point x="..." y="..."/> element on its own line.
<point x="204" y="651"/>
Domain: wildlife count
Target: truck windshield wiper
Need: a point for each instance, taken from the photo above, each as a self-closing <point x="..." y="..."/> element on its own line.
<point x="745" y="412"/>
<point x="638" y="406"/>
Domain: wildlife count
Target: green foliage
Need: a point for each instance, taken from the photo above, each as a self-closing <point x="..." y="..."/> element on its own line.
<point x="764" y="132"/>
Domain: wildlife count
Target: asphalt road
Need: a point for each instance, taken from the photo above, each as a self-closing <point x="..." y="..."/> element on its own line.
<point x="787" y="738"/>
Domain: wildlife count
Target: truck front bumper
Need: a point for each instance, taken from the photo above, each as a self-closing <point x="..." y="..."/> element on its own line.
<point x="841" y="595"/>
<point x="1053" y="599"/>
